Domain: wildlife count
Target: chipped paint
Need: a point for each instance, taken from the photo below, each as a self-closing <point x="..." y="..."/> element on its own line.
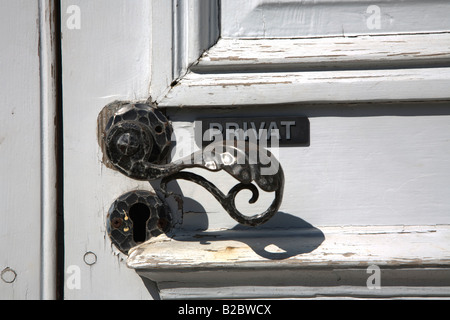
<point x="369" y="245"/>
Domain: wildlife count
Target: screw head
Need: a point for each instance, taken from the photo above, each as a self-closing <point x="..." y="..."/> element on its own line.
<point x="90" y="258"/>
<point x="117" y="222"/>
<point x="8" y="275"/>
<point x="128" y="143"/>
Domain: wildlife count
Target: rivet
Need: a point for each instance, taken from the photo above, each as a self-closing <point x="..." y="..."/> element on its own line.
<point x="8" y="275"/>
<point x="90" y="258"/>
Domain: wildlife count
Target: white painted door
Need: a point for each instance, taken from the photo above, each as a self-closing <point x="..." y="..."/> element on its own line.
<point x="28" y="151"/>
<point x="368" y="195"/>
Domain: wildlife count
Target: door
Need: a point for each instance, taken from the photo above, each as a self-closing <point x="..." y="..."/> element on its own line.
<point x="364" y="211"/>
<point x="371" y="79"/>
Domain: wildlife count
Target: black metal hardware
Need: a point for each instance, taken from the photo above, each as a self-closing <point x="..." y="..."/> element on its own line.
<point x="136" y="217"/>
<point x="137" y="138"/>
<point x="137" y="142"/>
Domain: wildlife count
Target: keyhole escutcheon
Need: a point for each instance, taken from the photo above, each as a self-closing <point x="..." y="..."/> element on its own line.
<point x="139" y="215"/>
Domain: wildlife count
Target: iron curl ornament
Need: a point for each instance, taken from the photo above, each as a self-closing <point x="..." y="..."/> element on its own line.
<point x="137" y="140"/>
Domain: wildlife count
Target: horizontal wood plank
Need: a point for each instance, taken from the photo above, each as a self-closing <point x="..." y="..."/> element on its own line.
<point x="336" y="53"/>
<point x="352" y="246"/>
<point x="315" y="86"/>
<point x="330" y="261"/>
<point x="337" y="69"/>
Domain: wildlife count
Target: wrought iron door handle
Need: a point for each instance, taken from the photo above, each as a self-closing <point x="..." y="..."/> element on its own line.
<point x="138" y="137"/>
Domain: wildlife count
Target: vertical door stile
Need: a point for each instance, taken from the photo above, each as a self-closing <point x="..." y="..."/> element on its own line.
<point x="48" y="111"/>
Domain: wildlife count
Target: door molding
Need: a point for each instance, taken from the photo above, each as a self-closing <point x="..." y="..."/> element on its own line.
<point x="205" y="69"/>
<point x="192" y="26"/>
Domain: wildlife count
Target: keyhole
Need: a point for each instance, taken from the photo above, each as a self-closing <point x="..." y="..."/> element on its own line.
<point x="139" y="214"/>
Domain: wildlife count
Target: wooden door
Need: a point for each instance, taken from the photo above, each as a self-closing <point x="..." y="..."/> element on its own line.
<point x="368" y="196"/>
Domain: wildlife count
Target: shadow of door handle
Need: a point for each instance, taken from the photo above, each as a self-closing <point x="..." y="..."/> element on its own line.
<point x="137" y="142"/>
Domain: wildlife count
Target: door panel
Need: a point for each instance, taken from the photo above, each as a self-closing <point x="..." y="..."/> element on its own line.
<point x="366" y="164"/>
<point x="292" y="19"/>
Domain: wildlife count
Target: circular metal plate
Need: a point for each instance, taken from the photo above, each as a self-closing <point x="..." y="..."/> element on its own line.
<point x="120" y="225"/>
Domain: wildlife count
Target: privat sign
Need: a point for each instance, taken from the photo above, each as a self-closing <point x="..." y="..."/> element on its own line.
<point x="290" y="131"/>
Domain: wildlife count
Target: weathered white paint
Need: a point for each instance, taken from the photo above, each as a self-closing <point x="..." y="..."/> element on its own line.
<point x="123" y="50"/>
<point x="312" y="18"/>
<point x="367" y="68"/>
<point x="195" y="30"/>
<point x="182" y="31"/>
<point x="27" y="149"/>
<point x="269" y="71"/>
<point x="162" y="48"/>
<point x="310" y="86"/>
<point x="107" y="59"/>
<point x="338" y="53"/>
<point x="49" y="105"/>
<point x="295" y="248"/>
<point x="368" y="164"/>
<point x="414" y="260"/>
<point x="339" y="292"/>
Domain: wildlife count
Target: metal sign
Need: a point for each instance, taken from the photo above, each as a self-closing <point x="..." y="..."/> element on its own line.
<point x="289" y="131"/>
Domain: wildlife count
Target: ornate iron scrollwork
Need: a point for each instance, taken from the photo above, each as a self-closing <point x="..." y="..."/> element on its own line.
<point x="137" y="141"/>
